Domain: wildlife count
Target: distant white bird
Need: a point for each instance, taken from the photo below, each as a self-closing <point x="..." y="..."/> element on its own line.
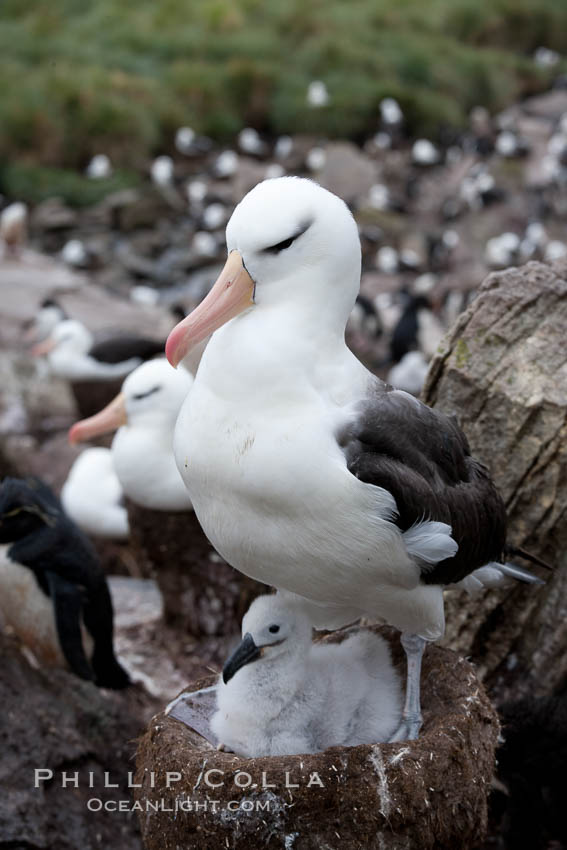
<point x="387" y="259"/>
<point x="99" y="167"/>
<point x="424" y="152"/>
<point x="557" y="144"/>
<point x="391" y="112"/>
<point x="93" y="498"/>
<point x="389" y="310"/>
<point x="476" y="187"/>
<point x="70" y="354"/>
<point x="534" y="241"/>
<point x="274" y="169"/>
<point x="546" y="58"/>
<point x="551" y="170"/>
<point x="382" y="140"/>
<point x="204" y="244"/>
<point x="379" y="196"/>
<point x="555" y="250"/>
<point x="451" y="239"/>
<point x="508" y="144"/>
<point x="249" y="142"/>
<point x="144" y="295"/>
<point x="317" y="94"/>
<point x="184" y="140"/>
<point x="214" y="216"/>
<point x="161" y="171"/>
<point x="13" y="228"/>
<point x="196" y="191"/>
<point x="501" y="251"/>
<point x="74" y="253"/>
<point x="410" y="259"/>
<point x="410" y="373"/>
<point x="200" y="597"/>
<point x="281" y="694"/>
<point x="49" y="315"/>
<point x="424" y="284"/>
<point x="226" y="164"/>
<point x="316" y="159"/>
<point x="283" y="147"/>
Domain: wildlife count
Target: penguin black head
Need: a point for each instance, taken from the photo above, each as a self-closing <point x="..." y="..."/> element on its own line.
<point x="50" y="302"/>
<point x="26" y="505"/>
<point x="45" y="540"/>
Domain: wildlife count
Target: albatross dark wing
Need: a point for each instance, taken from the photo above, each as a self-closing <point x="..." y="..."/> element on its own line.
<point x="119" y="348"/>
<point x="423" y="458"/>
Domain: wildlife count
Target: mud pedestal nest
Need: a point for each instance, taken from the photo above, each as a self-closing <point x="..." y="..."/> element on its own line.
<point x="430" y="793"/>
<point x="202" y="594"/>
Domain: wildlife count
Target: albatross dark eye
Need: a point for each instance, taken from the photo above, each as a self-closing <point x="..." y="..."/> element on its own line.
<point x="285" y="243"/>
<point x="139" y="396"/>
<point x="274" y="629"/>
<point x="281" y="246"/>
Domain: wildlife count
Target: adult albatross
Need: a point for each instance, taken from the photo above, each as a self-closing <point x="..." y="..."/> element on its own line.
<point x="305" y="470"/>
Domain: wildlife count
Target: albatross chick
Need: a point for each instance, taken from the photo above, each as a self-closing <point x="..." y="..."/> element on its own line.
<point x="281" y="694"/>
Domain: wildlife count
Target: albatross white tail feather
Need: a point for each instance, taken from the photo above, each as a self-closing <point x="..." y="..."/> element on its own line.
<point x="430" y="542"/>
<point x="495" y="575"/>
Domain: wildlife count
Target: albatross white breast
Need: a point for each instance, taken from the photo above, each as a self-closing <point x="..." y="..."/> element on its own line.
<point x="305" y="470"/>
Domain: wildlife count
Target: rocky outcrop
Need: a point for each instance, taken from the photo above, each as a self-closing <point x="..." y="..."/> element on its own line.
<point x="429" y="793"/>
<point x="503" y="371"/>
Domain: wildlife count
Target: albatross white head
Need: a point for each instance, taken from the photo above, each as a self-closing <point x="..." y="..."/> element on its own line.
<point x="144" y="414"/>
<point x="271" y="629"/>
<point x="293" y="247"/>
<point x="68" y="338"/>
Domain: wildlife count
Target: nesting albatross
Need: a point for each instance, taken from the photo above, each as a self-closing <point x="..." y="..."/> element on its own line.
<point x="305" y="470"/>
<point x="200" y="595"/>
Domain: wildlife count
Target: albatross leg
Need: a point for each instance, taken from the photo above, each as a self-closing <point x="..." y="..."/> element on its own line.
<point x="408" y="730"/>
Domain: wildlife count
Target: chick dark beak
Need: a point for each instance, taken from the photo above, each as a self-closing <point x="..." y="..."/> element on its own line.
<point x="245" y="652"/>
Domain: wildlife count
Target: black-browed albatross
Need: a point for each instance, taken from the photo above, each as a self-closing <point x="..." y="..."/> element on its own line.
<point x="305" y="470"/>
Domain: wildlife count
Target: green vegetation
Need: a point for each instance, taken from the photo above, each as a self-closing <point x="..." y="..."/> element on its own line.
<point x="119" y="76"/>
<point x="35" y="183"/>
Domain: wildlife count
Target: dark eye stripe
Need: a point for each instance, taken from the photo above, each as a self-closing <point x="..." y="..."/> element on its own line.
<point x="286" y="243"/>
<point x="281" y="246"/>
<point x="139" y="396"/>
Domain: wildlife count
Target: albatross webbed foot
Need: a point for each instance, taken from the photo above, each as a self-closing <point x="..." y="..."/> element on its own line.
<point x="408" y="730"/>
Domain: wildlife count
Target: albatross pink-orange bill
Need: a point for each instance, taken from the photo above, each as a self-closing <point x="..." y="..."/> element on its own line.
<point x="232" y="293"/>
<point x="108" y="419"/>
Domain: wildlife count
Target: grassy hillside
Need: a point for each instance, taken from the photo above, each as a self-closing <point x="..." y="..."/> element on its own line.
<point x="119" y="76"/>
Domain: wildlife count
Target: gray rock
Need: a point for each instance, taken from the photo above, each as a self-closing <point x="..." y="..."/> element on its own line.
<point x="503" y="371"/>
<point x="551" y="105"/>
<point x="131" y="209"/>
<point x="53" y="214"/>
<point x="136" y="264"/>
